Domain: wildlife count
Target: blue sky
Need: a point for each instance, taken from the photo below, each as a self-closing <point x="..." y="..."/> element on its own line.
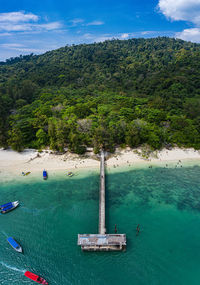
<point x="28" y="26"/>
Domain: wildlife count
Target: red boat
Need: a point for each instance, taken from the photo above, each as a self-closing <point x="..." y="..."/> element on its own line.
<point x="35" y="278"/>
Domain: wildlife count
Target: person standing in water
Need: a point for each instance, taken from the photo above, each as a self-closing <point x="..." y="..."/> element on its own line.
<point x="137" y="230"/>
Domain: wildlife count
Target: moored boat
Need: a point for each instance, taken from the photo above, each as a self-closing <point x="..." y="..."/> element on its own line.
<point x="35" y="278"/>
<point x="44" y="174"/>
<point x="9" y="207"/>
<point x="14" y="244"/>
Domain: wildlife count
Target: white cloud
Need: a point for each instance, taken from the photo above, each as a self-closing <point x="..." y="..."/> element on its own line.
<point x="30" y="27"/>
<point x="75" y="22"/>
<point x="16" y="17"/>
<point x="5" y="34"/>
<point x="91" y="38"/>
<point x="103" y="38"/>
<point x="11" y="45"/>
<point x="81" y="22"/>
<point x="21" y="21"/>
<point x="22" y="28"/>
<point x="96" y="38"/>
<point x="49" y="26"/>
<point x="125" y="35"/>
<point x="148" y="32"/>
<point x="21" y="48"/>
<point x="29" y="50"/>
<point x="192" y="35"/>
<point x="95" y="23"/>
<point x="185" y="10"/>
<point x="9" y="27"/>
<point x="87" y="36"/>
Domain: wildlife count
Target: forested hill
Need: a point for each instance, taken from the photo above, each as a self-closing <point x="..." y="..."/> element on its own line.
<point x="132" y="92"/>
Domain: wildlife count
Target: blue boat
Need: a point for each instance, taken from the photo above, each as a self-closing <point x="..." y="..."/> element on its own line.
<point x="5" y="205"/>
<point x="8" y="207"/>
<point x="44" y="174"/>
<point x="14" y="244"/>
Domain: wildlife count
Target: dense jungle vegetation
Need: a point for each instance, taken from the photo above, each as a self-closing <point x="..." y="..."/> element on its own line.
<point x="115" y="93"/>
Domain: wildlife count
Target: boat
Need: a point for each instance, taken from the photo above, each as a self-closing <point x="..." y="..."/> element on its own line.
<point x="9" y="207"/>
<point x="26" y="173"/>
<point x="14" y="244"/>
<point x="5" y="205"/>
<point x="44" y="174"/>
<point x="35" y="277"/>
<point x="70" y="174"/>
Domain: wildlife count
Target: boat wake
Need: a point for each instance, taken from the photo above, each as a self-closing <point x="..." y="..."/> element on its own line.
<point x="12" y="268"/>
<point x="4" y="234"/>
<point x="35" y="212"/>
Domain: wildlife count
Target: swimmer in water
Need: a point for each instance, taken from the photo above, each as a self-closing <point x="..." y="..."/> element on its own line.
<point x="137" y="230"/>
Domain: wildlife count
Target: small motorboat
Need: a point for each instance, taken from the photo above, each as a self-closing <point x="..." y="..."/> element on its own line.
<point x="70" y="174"/>
<point x="44" y="174"/>
<point x="35" y="277"/>
<point x="9" y="207"/>
<point x="14" y="244"/>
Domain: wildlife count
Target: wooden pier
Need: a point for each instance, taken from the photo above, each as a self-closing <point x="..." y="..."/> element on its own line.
<point x="102" y="193"/>
<point x="102" y="241"/>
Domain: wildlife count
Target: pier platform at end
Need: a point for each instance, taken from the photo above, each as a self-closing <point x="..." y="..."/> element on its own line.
<point x="99" y="242"/>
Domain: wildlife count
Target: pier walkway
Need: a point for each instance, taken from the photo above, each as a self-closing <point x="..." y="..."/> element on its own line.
<point x="102" y="213"/>
<point x="102" y="241"/>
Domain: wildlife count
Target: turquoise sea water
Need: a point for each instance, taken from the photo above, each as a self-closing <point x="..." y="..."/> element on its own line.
<point x="165" y="202"/>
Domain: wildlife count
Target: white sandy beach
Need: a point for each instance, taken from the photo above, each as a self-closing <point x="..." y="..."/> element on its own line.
<point x="15" y="163"/>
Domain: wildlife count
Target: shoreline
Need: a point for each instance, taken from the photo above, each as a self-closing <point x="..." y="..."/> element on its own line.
<point x="13" y="163"/>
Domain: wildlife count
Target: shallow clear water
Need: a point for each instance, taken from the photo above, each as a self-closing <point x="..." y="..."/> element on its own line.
<point x="165" y="202"/>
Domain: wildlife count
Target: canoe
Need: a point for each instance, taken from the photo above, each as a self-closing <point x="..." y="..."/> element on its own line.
<point x="26" y="173"/>
<point x="35" y="278"/>
<point x="14" y="244"/>
<point x="11" y="206"/>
